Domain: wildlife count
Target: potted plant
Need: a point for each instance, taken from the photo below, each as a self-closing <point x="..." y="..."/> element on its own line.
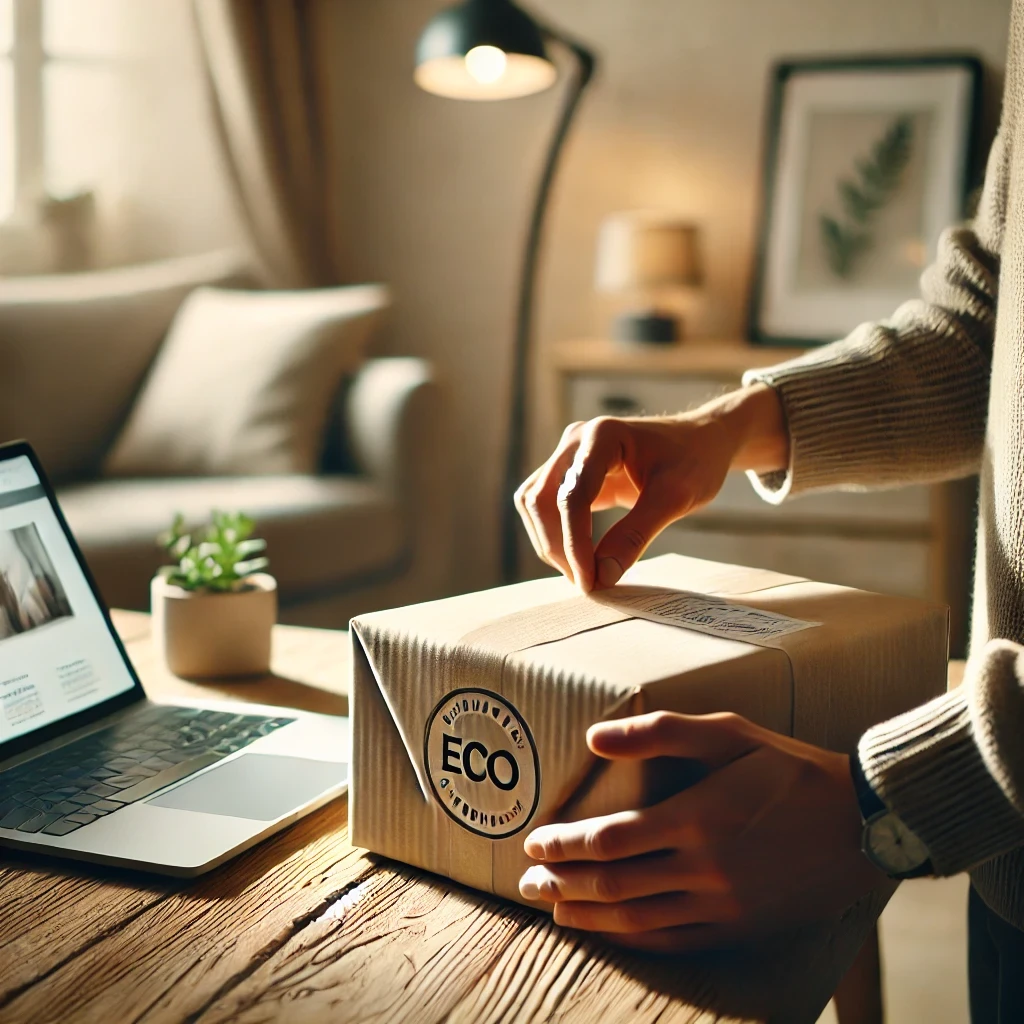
<point x="214" y="608"/>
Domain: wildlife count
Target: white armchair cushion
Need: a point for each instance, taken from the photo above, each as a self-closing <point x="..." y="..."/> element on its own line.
<point x="244" y="382"/>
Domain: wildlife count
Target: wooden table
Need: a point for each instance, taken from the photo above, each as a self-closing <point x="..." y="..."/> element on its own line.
<point x="307" y="928"/>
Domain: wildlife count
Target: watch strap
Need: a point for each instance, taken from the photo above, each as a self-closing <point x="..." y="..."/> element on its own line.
<point x="872" y="807"/>
<point x="868" y="800"/>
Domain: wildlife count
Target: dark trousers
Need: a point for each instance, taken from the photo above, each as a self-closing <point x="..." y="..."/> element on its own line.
<point x="995" y="966"/>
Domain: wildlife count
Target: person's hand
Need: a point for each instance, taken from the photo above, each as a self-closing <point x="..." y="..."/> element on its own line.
<point x="769" y="839"/>
<point x="660" y="468"/>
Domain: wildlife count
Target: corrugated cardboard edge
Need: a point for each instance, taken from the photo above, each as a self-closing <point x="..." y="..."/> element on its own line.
<point x="391" y="811"/>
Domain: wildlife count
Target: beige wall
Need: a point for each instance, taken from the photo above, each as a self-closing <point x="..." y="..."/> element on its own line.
<point x="433" y="194"/>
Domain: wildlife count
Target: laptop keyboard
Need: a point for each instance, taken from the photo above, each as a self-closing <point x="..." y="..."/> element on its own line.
<point x="56" y="793"/>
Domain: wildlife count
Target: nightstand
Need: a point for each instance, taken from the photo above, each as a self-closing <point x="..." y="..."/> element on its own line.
<point x="915" y="541"/>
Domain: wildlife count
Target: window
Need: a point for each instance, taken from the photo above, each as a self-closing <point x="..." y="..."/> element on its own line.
<point x="6" y="109"/>
<point x="58" y="72"/>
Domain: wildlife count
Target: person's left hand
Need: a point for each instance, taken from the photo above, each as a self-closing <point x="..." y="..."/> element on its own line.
<point x="769" y="839"/>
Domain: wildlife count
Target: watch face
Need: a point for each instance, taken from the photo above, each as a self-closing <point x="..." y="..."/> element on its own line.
<point x="892" y="846"/>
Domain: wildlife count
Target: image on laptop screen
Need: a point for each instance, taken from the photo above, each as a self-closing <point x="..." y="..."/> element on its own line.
<point x="56" y="654"/>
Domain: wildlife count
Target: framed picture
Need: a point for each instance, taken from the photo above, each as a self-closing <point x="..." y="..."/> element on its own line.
<point x="866" y="162"/>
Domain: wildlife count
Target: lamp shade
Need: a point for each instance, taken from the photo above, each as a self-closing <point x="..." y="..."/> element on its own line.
<point x="639" y="252"/>
<point x="483" y="50"/>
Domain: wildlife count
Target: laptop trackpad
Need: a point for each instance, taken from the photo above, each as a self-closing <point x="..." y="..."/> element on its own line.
<point x="262" y="787"/>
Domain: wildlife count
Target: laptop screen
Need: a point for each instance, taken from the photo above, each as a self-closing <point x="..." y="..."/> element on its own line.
<point x="57" y="655"/>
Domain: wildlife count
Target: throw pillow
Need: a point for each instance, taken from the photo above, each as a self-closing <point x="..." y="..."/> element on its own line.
<point x="75" y="349"/>
<point x="244" y="381"/>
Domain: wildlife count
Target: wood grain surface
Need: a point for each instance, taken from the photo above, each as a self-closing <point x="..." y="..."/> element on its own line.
<point x="309" y="669"/>
<point x="306" y="928"/>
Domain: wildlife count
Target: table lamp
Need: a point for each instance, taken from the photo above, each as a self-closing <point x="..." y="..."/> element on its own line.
<point x="650" y="259"/>
<point x="493" y="50"/>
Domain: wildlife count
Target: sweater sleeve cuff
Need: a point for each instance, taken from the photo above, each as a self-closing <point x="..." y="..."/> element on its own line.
<point x="927" y="767"/>
<point x="824" y="408"/>
<point x="861" y="412"/>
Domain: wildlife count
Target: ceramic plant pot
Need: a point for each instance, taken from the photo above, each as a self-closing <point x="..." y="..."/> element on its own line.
<point x="215" y="636"/>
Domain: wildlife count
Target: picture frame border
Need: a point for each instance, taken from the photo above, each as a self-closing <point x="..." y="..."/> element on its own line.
<point x="779" y="75"/>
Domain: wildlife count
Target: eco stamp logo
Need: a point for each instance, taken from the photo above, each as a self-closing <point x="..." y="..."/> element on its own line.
<point x="482" y="763"/>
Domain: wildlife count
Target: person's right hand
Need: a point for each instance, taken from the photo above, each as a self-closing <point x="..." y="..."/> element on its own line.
<point x="659" y="468"/>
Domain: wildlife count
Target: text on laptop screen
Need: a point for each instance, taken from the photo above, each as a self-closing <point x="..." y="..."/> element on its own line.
<point x="57" y="656"/>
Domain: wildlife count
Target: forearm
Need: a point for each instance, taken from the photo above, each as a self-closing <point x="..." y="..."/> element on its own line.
<point x="755" y="421"/>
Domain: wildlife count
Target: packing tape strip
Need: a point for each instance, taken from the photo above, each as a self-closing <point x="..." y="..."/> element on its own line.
<point x="544" y="624"/>
<point x="713" y="614"/>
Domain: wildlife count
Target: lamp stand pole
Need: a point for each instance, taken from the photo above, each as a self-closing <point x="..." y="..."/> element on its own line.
<point x="585" y="66"/>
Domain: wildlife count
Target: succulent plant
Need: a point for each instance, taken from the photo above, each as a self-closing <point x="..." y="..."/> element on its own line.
<point x="218" y="557"/>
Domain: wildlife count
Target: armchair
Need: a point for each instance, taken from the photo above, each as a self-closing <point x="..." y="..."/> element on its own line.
<point x="370" y="529"/>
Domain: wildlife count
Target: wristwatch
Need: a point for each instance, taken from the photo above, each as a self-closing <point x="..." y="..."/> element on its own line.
<point x="891" y="845"/>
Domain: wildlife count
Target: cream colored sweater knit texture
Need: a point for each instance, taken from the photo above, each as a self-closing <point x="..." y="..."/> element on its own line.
<point x="935" y="393"/>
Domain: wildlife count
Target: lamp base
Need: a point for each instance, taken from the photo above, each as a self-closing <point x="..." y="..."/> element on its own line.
<point x="647" y="328"/>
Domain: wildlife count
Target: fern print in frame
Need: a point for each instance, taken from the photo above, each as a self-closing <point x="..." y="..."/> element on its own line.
<point x="878" y="176"/>
<point x="867" y="161"/>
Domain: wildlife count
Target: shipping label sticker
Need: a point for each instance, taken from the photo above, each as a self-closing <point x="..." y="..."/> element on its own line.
<point x="481" y="762"/>
<point x="703" y="613"/>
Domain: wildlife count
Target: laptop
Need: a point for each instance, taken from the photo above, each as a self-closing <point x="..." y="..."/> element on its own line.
<point x="90" y="767"/>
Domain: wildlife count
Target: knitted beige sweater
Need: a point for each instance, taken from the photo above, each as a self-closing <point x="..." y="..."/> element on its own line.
<point x="937" y="392"/>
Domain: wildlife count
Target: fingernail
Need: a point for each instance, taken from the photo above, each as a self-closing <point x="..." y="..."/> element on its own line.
<point x="533" y="849"/>
<point x="529" y="885"/>
<point x="609" y="572"/>
<point x="533" y="846"/>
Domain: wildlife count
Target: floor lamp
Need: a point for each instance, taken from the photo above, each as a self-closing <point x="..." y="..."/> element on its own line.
<point x="494" y="50"/>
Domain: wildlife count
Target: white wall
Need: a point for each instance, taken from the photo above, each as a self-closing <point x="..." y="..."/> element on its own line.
<point x="433" y="194"/>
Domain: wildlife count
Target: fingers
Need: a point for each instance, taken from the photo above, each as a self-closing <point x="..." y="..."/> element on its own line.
<point x="522" y="507"/>
<point x="612" y="837"/>
<point x="716" y="740"/>
<point x="537" y="503"/>
<point x="627" y="540"/>
<point x="555" y="503"/>
<point x="622" y="880"/>
<point x="649" y="913"/>
<point x="600" y="452"/>
<point x="576" y="518"/>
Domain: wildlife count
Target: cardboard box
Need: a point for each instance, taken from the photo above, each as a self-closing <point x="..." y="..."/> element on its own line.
<point x="470" y="714"/>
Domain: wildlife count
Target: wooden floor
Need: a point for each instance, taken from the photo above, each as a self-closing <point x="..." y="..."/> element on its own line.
<point x="924" y="950"/>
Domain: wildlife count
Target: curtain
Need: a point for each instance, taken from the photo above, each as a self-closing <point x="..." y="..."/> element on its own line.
<point x="267" y="102"/>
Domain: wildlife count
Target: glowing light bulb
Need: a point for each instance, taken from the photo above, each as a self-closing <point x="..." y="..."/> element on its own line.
<point x="486" y="64"/>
